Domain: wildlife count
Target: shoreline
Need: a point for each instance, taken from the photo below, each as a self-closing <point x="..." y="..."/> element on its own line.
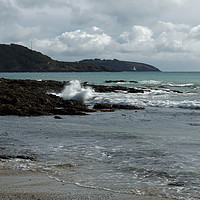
<point x="36" y="98"/>
<point x="35" y="185"/>
<point x="17" y="184"/>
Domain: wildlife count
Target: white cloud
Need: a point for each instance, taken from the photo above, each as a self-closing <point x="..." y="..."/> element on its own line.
<point x="169" y="26"/>
<point x="78" y="42"/>
<point x="142" y="33"/>
<point x="195" y="32"/>
<point x="174" y="42"/>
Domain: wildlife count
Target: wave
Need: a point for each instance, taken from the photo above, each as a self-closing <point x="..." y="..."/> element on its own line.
<point x="152" y="98"/>
<point x="174" y="104"/>
<point x="180" y="85"/>
<point x="74" y="91"/>
<point x="151" y="82"/>
<point x="155" y="99"/>
<point x="171" y="84"/>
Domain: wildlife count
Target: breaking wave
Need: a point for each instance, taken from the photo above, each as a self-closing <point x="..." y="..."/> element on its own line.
<point x="180" y="85"/>
<point x="74" y="91"/>
<point x="154" y="82"/>
<point x="153" y="98"/>
<point x="151" y="82"/>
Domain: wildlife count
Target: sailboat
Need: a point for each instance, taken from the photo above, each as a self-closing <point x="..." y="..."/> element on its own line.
<point x="134" y="68"/>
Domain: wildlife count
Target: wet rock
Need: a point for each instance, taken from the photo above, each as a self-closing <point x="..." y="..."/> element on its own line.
<point x="176" y="184"/>
<point x="100" y="106"/>
<point x="33" y="98"/>
<point x="25" y="157"/>
<point x="194" y="124"/>
<point x="30" y="98"/>
<point x="106" y="89"/>
<point x="115" y="106"/>
<point x="177" y="91"/>
<point x="126" y="107"/>
<point x="120" y="81"/>
<point x="57" y="117"/>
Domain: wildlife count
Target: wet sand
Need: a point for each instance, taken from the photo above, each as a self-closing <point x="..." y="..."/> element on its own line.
<point x="16" y="184"/>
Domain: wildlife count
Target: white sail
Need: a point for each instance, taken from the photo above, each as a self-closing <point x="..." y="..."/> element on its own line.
<point x="134" y="68"/>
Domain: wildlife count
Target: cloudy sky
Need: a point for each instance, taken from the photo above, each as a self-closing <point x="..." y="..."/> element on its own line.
<point x="164" y="33"/>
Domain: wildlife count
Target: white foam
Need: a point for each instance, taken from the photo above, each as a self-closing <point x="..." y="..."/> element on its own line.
<point x="75" y="91"/>
<point x="153" y="82"/>
<point x="151" y="99"/>
<point x="180" y="85"/>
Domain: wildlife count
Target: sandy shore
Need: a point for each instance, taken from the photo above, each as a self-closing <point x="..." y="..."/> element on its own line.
<point x="16" y="184"/>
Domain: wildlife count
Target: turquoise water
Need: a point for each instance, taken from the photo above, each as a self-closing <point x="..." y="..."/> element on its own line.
<point x="100" y="77"/>
<point x="162" y="89"/>
<point x="152" y="153"/>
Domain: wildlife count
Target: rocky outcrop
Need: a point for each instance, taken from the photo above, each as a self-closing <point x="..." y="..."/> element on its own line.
<point x="112" y="107"/>
<point x="24" y="157"/>
<point x="30" y="98"/>
<point x="34" y="98"/>
<point x="104" y="88"/>
<point x="120" y="81"/>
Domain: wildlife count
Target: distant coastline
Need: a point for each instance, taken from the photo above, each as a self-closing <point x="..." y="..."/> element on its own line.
<point x="17" y="58"/>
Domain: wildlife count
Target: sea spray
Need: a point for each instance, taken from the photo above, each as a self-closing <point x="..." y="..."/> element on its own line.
<point x="155" y="97"/>
<point x="75" y="91"/>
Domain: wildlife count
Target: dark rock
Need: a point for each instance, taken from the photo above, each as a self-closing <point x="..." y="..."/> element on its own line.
<point x="30" y="98"/>
<point x="133" y="90"/>
<point x="126" y="107"/>
<point x="57" y="117"/>
<point x="120" y="81"/>
<point x="102" y="106"/>
<point x="176" y="184"/>
<point x="25" y="157"/>
<point x="115" y="106"/>
<point x="106" y="89"/>
<point x="194" y="124"/>
<point x="177" y="91"/>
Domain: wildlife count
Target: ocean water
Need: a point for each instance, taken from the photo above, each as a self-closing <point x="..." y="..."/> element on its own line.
<point x="152" y="153"/>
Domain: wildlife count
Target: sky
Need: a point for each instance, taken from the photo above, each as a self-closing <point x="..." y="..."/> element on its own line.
<point x="163" y="33"/>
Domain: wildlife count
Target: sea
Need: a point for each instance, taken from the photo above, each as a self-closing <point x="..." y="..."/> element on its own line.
<point x="151" y="153"/>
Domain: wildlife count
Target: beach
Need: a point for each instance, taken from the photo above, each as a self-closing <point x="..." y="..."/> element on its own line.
<point x="16" y="184"/>
<point x="83" y="164"/>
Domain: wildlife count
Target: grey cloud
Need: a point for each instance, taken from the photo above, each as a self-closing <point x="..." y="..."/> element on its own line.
<point x="146" y="30"/>
<point x="8" y="13"/>
<point x="116" y="16"/>
<point x="139" y="42"/>
<point x="41" y="3"/>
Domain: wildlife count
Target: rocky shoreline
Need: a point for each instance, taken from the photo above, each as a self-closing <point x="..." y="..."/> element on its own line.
<point x="33" y="98"/>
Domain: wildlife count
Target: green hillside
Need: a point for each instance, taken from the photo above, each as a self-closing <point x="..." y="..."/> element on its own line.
<point x="118" y="65"/>
<point x="17" y="58"/>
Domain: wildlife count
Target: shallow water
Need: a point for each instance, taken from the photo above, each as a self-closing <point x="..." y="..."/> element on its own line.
<point x="148" y="152"/>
